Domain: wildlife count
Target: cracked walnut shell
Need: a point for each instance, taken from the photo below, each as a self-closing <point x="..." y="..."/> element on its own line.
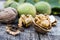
<point x="42" y="23"/>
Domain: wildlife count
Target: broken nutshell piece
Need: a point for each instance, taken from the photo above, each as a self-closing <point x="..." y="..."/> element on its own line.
<point x="42" y="23"/>
<point x="25" y="20"/>
<point x="12" y="29"/>
<point x="53" y="20"/>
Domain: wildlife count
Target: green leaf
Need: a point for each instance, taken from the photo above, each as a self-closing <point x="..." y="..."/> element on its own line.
<point x="53" y="3"/>
<point x="20" y="1"/>
<point x="36" y="1"/>
<point x="30" y="1"/>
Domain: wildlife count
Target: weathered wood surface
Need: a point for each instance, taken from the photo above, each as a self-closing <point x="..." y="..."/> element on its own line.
<point x="29" y="33"/>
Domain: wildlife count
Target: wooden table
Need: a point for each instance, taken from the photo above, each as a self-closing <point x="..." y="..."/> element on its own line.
<point x="29" y="33"/>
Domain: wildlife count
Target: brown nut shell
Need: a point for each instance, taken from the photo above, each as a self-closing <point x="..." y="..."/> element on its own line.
<point x="40" y="29"/>
<point x="53" y="20"/>
<point x="42" y="23"/>
<point x="8" y="15"/>
<point x="12" y="30"/>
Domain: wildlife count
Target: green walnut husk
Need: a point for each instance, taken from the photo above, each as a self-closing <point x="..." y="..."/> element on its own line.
<point x="43" y="7"/>
<point x="12" y="4"/>
<point x="26" y="8"/>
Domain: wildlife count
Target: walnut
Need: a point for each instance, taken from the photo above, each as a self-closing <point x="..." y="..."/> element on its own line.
<point x="8" y="15"/>
<point x="25" y="20"/>
<point x="42" y="23"/>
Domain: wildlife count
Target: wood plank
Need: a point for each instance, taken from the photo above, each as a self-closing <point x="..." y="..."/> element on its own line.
<point x="29" y="34"/>
<point x="54" y="37"/>
<point x="44" y="37"/>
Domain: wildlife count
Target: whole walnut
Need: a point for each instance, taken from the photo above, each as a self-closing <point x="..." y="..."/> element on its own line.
<point x="7" y="15"/>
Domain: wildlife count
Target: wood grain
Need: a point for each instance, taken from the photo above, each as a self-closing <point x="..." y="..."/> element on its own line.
<point x="28" y="34"/>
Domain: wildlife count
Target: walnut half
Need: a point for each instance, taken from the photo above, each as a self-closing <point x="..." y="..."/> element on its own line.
<point x="25" y="20"/>
<point x="42" y="23"/>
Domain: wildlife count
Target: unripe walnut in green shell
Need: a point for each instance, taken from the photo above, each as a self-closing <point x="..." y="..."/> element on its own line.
<point x="43" y="7"/>
<point x="26" y="9"/>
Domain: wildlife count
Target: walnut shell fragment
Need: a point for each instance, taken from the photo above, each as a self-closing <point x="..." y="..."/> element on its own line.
<point x="25" y="20"/>
<point x="53" y="20"/>
<point x="42" y="23"/>
<point x="12" y="29"/>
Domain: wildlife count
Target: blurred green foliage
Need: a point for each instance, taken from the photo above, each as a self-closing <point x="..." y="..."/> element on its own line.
<point x="55" y="4"/>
